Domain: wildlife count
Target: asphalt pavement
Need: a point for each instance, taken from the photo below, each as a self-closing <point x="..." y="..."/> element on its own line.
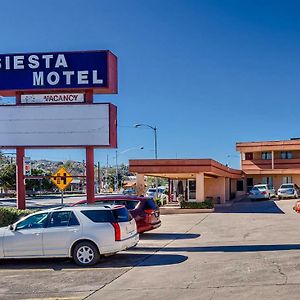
<point x="250" y="250"/>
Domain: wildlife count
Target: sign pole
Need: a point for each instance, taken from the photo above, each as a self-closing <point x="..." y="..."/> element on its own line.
<point x="62" y="198"/>
<point x="90" y="176"/>
<point x="21" y="192"/>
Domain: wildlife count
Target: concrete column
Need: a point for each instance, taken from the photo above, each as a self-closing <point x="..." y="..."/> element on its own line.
<point x="140" y="184"/>
<point x="200" y="187"/>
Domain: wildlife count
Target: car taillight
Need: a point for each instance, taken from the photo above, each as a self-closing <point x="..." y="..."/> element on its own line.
<point x="263" y="192"/>
<point x="149" y="211"/>
<point x="117" y="231"/>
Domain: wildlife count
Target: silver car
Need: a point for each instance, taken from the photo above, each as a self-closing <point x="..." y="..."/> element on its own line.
<point x="81" y="233"/>
<point x="288" y="190"/>
<point x="262" y="191"/>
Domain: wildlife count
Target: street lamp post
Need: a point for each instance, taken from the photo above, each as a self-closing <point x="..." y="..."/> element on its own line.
<point x="154" y="128"/>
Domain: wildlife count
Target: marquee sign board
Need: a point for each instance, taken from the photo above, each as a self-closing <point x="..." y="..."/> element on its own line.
<point x="39" y="126"/>
<point x="60" y="71"/>
<point x="52" y="98"/>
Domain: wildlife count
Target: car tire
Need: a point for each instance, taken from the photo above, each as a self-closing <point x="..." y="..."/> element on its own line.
<point x="279" y="198"/>
<point x="86" y="254"/>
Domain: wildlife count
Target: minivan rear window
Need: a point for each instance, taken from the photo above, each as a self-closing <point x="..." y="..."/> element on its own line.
<point x="150" y="204"/>
<point x="129" y="204"/>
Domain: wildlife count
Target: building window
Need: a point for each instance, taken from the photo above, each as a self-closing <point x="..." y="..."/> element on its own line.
<point x="286" y="155"/>
<point x="266" y="155"/>
<point x="287" y="179"/>
<point x="267" y="180"/>
<point x="249" y="156"/>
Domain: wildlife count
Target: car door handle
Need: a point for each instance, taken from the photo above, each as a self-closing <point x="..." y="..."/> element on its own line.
<point x="37" y="233"/>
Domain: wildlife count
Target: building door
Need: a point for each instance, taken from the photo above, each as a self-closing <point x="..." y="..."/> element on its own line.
<point x="191" y="190"/>
<point x="249" y="184"/>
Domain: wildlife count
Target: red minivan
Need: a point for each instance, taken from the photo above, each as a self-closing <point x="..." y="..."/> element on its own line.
<point x="143" y="209"/>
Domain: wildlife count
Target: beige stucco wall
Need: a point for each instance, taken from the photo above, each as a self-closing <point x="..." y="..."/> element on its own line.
<point x="217" y="187"/>
<point x="200" y="194"/>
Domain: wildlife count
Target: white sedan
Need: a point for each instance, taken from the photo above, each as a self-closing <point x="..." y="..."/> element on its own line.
<point x="83" y="233"/>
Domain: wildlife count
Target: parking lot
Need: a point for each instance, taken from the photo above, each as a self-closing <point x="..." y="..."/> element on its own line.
<point x="250" y="250"/>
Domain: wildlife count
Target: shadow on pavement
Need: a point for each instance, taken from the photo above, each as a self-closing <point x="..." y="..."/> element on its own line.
<point x="122" y="260"/>
<point x="237" y="248"/>
<point x="168" y="236"/>
<point x="256" y="207"/>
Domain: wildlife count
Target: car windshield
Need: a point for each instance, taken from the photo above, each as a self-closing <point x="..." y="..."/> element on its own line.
<point x="286" y="186"/>
<point x="261" y="187"/>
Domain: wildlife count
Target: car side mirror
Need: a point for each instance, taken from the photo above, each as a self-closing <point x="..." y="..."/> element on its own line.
<point x="11" y="227"/>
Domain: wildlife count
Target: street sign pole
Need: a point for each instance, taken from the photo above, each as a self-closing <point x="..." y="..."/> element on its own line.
<point x="62" y="198"/>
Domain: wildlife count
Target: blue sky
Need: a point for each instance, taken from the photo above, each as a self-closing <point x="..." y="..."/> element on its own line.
<point x="206" y="73"/>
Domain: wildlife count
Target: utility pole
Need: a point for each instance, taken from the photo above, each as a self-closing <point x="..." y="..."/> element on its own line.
<point x="116" y="184"/>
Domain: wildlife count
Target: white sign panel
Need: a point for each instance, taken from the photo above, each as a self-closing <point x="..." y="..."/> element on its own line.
<point x="54" y="125"/>
<point x="53" y="98"/>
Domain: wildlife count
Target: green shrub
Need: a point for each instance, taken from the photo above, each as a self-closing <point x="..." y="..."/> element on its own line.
<point x="204" y="204"/>
<point x="160" y="201"/>
<point x="12" y="215"/>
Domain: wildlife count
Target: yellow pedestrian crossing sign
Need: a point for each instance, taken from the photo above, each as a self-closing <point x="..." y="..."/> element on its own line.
<point x="62" y="178"/>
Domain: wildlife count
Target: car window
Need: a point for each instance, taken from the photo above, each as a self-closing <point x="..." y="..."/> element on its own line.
<point x="99" y="216"/>
<point x="150" y="204"/>
<point x="286" y="186"/>
<point x="254" y="189"/>
<point x="35" y="221"/>
<point x="105" y="202"/>
<point x="129" y="204"/>
<point x="62" y="218"/>
<point x="73" y="221"/>
<point x="121" y="215"/>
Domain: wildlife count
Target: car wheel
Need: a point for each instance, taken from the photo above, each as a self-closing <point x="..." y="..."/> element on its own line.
<point x="279" y="197"/>
<point x="86" y="254"/>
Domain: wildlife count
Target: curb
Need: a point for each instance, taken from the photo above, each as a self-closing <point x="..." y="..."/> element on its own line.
<point x="173" y="211"/>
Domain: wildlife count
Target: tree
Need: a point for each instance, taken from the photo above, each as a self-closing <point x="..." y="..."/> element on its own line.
<point x="8" y="176"/>
<point x="39" y="184"/>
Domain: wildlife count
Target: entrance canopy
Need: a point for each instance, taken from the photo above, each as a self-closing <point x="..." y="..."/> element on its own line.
<point x="182" y="168"/>
<point x="203" y="177"/>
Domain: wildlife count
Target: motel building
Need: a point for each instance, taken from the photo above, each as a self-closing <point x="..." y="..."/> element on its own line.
<point x="274" y="163"/>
